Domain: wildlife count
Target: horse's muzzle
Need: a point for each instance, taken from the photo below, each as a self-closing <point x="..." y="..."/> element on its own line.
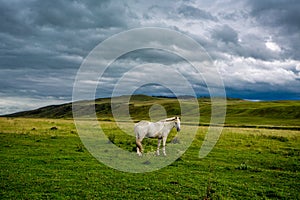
<point x="178" y="129"/>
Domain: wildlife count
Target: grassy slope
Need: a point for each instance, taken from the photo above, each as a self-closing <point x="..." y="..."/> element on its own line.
<point x="38" y="161"/>
<point x="239" y="112"/>
<point x="280" y="113"/>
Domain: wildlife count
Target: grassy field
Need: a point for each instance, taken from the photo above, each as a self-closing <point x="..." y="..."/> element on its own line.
<point x="45" y="159"/>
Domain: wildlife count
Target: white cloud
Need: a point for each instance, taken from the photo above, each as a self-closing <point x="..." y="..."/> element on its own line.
<point x="249" y="73"/>
<point x="298" y="67"/>
<point x="12" y="104"/>
<point x="273" y="46"/>
<point x="270" y="44"/>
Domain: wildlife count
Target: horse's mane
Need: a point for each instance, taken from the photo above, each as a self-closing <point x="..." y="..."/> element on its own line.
<point x="168" y="119"/>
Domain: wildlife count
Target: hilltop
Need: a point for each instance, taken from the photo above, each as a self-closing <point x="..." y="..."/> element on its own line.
<point x="239" y="112"/>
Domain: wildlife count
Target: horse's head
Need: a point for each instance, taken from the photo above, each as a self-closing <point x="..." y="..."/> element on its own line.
<point x="177" y="123"/>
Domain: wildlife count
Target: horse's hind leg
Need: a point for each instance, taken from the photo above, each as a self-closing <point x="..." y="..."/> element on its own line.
<point x="139" y="147"/>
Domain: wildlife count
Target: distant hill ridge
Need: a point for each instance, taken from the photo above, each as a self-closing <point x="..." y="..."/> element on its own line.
<point x="239" y="112"/>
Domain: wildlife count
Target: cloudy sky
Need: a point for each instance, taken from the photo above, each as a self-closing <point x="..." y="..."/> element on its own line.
<point x="254" y="44"/>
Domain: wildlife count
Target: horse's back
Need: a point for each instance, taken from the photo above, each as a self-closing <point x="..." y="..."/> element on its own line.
<point x="142" y="123"/>
<point x="141" y="127"/>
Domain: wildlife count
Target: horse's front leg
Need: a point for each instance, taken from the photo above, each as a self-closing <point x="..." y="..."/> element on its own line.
<point x="139" y="147"/>
<point x="158" y="146"/>
<point x="164" y="145"/>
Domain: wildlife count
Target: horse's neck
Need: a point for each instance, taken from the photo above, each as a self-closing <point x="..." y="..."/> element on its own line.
<point x="163" y="125"/>
<point x="168" y="125"/>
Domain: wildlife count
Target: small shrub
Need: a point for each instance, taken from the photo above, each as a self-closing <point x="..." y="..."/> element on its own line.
<point x="53" y="128"/>
<point x="147" y="162"/>
<point x="79" y="148"/>
<point x="175" y="140"/>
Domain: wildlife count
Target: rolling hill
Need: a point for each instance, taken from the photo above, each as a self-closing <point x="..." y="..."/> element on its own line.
<point x="274" y="114"/>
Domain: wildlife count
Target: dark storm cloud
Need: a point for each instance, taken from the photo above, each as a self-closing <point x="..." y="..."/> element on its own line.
<point x="284" y="13"/>
<point x="255" y="44"/>
<point x="195" y="13"/>
<point x="14" y="20"/>
<point x="283" y="18"/>
<point x="42" y="44"/>
<point x="79" y="14"/>
<point x="226" y="34"/>
<point x="56" y="31"/>
<point x="152" y="55"/>
<point x="27" y="17"/>
<point x="30" y="82"/>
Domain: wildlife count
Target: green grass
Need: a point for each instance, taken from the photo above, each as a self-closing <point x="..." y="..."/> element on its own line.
<point x="38" y="161"/>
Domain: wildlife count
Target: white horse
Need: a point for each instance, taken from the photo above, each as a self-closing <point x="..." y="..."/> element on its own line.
<point x="160" y="130"/>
